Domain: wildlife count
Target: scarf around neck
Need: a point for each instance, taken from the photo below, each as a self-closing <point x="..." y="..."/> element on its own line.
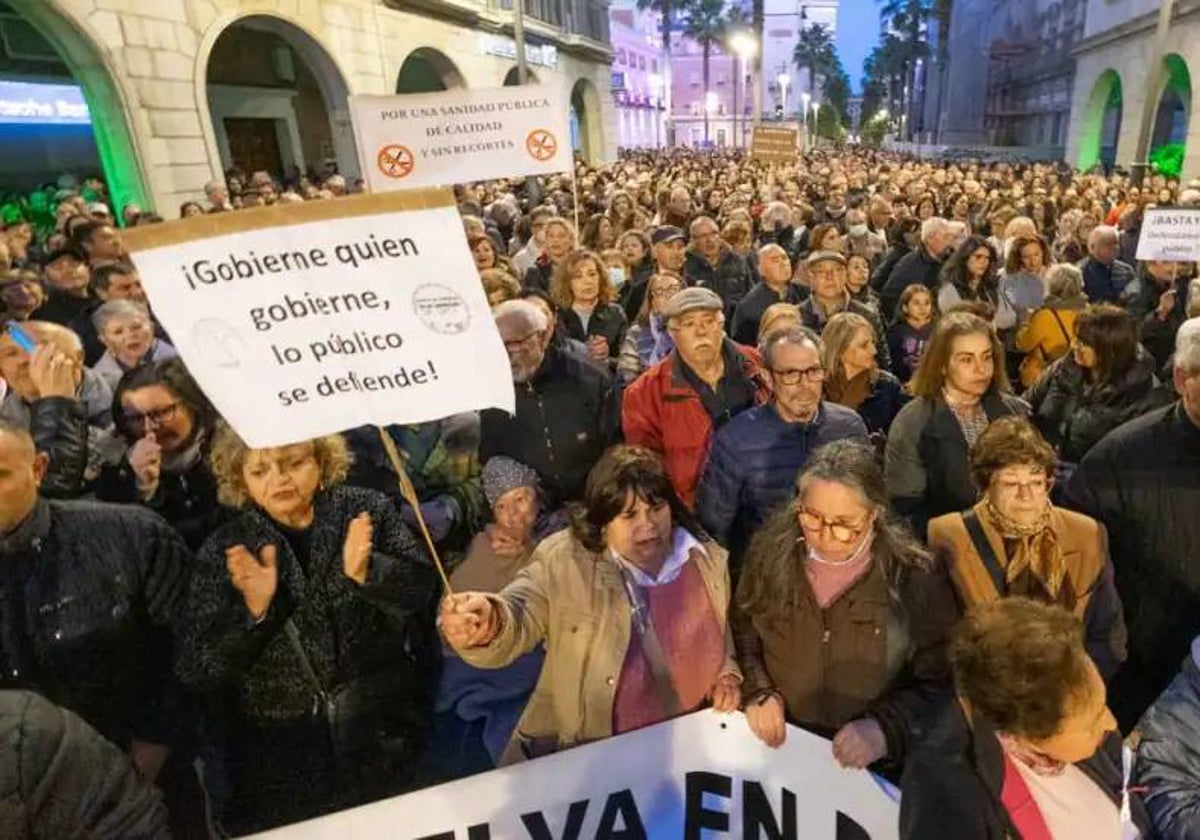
<point x="1034" y="549"/>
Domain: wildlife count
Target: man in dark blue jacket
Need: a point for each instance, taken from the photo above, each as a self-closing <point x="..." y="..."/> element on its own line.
<point x="1105" y="277"/>
<point x="755" y="457"/>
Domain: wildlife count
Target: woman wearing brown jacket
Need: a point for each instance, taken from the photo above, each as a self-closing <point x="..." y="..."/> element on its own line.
<point x="1016" y="542"/>
<point x="840" y="616"/>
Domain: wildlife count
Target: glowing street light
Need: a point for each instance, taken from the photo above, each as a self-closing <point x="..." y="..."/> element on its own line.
<point x="783" y="80"/>
<point x="744" y="45"/>
<point x="710" y="102"/>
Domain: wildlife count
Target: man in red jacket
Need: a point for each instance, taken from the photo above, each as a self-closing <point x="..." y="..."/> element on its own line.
<point x="675" y="406"/>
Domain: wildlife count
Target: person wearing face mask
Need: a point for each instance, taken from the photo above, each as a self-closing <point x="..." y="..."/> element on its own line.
<point x="756" y="455"/>
<point x="313" y="593"/>
<point x="960" y="386"/>
<point x="636" y="562"/>
<point x="835" y="571"/>
<point x="1015" y="541"/>
<point x="125" y="330"/>
<point x="1027" y="747"/>
<point x="713" y="264"/>
<point x="859" y="239"/>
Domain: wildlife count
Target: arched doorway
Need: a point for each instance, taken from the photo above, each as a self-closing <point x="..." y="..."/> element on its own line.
<point x="278" y="101"/>
<point x="427" y="71"/>
<point x="1101" y="123"/>
<point x="587" y="133"/>
<point x="510" y="78"/>
<point x="1169" y="136"/>
<point x="42" y="48"/>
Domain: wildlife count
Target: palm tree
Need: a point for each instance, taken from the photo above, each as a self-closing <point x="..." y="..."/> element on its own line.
<point x="814" y="51"/>
<point x="908" y="18"/>
<point x="705" y="24"/>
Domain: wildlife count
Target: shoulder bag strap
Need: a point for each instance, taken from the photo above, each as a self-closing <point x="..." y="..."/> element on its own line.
<point x="1061" y="326"/>
<point x="651" y="647"/>
<point x="293" y="635"/>
<point x="986" y="553"/>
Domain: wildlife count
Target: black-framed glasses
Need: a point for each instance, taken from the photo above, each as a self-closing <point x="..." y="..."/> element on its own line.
<point x="155" y="417"/>
<point x="792" y="376"/>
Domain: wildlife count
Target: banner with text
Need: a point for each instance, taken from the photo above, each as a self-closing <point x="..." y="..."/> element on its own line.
<point x="1170" y="234"/>
<point x="303" y="320"/>
<point x="774" y="145"/>
<point x="469" y="134"/>
<point x="701" y="776"/>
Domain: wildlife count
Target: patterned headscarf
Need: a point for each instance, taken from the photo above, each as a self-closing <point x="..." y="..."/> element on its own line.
<point x="501" y="474"/>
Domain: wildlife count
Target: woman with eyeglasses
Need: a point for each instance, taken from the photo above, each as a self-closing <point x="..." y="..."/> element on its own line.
<point x="840" y="617"/>
<point x="648" y="342"/>
<point x="1015" y="541"/>
<point x="167" y="423"/>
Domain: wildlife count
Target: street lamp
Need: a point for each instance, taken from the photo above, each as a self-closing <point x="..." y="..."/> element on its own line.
<point x="744" y="47"/>
<point x="656" y="84"/>
<point x="783" y="80"/>
<point x="804" y="99"/>
<point x="816" y="112"/>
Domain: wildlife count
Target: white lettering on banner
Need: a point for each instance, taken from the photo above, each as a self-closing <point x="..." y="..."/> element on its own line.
<point x="307" y="329"/>
<point x="461" y="135"/>
<point x="1170" y="234"/>
<point x="542" y="55"/>
<point x="701" y="776"/>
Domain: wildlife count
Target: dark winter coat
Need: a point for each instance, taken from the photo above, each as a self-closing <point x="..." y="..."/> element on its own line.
<point x="927" y="464"/>
<point x="566" y="416"/>
<point x="883" y="272"/>
<point x="633" y="293"/>
<point x="370" y="645"/>
<point x="1073" y="414"/>
<point x="59" y="427"/>
<point x="1142" y="481"/>
<point x="753" y="464"/>
<point x="607" y="320"/>
<point x="1158" y="334"/>
<point x="884" y="402"/>
<point x="955" y="774"/>
<point x="89" y="601"/>
<point x="1168" y="765"/>
<point x="1105" y="283"/>
<point x="60" y="778"/>
<point x="905" y="345"/>
<point x="731" y="278"/>
<point x="917" y="266"/>
<point x="813" y="318"/>
<point x="748" y="313"/>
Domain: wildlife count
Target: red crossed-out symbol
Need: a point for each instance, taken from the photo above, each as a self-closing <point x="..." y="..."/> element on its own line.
<point x="395" y="161"/>
<point x="541" y="144"/>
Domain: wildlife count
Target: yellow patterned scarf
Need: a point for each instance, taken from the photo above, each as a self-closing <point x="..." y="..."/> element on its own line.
<point x="1033" y="548"/>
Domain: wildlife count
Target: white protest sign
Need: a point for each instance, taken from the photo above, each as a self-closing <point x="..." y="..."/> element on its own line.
<point x="1170" y="234"/>
<point x="470" y="134"/>
<point x="310" y="319"/>
<point x="701" y="776"/>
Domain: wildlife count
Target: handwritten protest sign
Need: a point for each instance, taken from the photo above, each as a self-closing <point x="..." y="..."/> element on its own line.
<point x="774" y="145"/>
<point x="701" y="776"/>
<point x="310" y="319"/>
<point x="455" y="136"/>
<point x="1170" y="234"/>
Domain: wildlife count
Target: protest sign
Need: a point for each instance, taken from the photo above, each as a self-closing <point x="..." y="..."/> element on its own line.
<point x="1170" y="234"/>
<point x="773" y="144"/>
<point x="701" y="776"/>
<point x="455" y="136"/>
<point x="304" y="320"/>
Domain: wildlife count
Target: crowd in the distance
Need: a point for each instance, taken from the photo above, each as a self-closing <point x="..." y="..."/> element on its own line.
<point x="903" y="453"/>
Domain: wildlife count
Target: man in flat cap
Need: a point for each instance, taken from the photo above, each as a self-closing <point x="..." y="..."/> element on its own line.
<point x="826" y="271"/>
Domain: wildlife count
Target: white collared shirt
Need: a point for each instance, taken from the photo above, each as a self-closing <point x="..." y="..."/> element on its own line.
<point x="682" y="544"/>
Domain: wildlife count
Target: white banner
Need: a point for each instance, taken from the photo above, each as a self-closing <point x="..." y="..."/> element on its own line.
<point x="469" y="134"/>
<point x="1170" y="234"/>
<point x="328" y="315"/>
<point x="701" y="776"/>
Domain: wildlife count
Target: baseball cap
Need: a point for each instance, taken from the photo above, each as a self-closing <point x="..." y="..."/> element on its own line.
<point x="666" y="233"/>
<point x="817" y="257"/>
<point x="694" y="299"/>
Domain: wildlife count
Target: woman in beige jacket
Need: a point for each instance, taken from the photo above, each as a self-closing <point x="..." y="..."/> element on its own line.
<point x="632" y="607"/>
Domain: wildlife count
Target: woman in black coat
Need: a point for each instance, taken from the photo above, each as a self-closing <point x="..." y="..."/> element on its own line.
<point x="584" y="295"/>
<point x="1107" y="378"/>
<point x="306" y="632"/>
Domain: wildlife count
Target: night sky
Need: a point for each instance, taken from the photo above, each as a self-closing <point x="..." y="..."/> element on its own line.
<point x="857" y="34"/>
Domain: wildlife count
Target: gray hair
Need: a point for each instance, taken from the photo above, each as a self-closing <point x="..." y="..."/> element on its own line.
<point x="1187" y="347"/>
<point x="771" y="249"/>
<point x="1064" y="281"/>
<point x="794" y="336"/>
<point x="1103" y="232"/>
<point x="523" y="311"/>
<point x="116" y="309"/>
<point x="211" y="186"/>
<point x="699" y="220"/>
<point x="933" y="226"/>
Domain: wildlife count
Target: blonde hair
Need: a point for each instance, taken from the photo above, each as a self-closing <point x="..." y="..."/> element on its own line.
<point x="1064" y="281"/>
<point x="228" y="457"/>
<point x="774" y="315"/>
<point x="838" y="335"/>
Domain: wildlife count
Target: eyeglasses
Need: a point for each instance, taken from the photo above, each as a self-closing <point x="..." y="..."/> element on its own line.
<point x="1034" y="487"/>
<point x="840" y="531"/>
<point x="793" y="376"/>
<point x="155" y="417"/>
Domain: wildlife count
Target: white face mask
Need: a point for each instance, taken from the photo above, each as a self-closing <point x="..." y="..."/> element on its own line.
<point x="616" y="276"/>
<point x="858" y="230"/>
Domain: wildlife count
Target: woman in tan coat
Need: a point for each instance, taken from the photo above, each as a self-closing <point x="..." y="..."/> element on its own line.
<point x="1016" y="542"/>
<point x="630" y="603"/>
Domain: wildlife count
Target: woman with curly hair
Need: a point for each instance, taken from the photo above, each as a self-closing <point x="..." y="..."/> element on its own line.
<point x="304" y="632"/>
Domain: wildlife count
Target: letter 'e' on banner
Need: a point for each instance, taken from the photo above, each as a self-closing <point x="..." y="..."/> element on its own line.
<point x="308" y="319"/>
<point x="456" y="136"/>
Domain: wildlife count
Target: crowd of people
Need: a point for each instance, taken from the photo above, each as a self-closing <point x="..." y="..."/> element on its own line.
<point x="904" y="453"/>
